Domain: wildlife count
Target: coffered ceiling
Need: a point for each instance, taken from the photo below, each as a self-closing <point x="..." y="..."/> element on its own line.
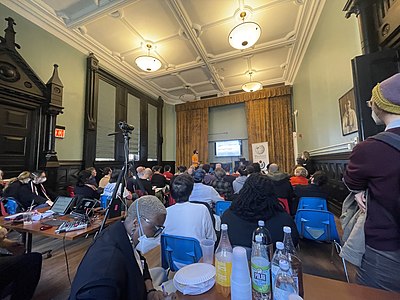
<point x="189" y="37"/>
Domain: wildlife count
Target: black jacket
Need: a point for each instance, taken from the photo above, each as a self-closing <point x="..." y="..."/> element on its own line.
<point x="282" y="186"/>
<point x="109" y="269"/>
<point x="241" y="231"/>
<point x="22" y="192"/>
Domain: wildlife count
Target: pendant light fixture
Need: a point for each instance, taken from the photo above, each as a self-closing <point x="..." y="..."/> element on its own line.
<point x="147" y="62"/>
<point x="252" y="86"/>
<point x="244" y="35"/>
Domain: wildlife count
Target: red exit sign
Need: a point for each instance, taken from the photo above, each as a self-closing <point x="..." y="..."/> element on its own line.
<point x="60" y="132"/>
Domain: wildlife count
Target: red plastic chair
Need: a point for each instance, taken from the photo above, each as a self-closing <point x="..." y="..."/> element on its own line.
<point x="284" y="202"/>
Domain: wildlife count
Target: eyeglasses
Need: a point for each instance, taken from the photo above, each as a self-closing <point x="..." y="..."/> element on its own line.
<point x="369" y="103"/>
<point x="159" y="229"/>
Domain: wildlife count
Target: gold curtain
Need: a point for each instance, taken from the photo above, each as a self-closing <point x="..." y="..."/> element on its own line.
<point x="191" y="133"/>
<point x="269" y="120"/>
<point x="268" y="114"/>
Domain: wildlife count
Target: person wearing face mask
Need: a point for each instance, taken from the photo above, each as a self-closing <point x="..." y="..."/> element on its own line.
<point x="18" y="188"/>
<point x="113" y="267"/>
<point x="42" y="197"/>
<point x="375" y="165"/>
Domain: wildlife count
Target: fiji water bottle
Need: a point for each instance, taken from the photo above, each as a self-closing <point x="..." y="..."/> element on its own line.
<point x="260" y="270"/>
<point x="223" y="263"/>
<point x="284" y="284"/>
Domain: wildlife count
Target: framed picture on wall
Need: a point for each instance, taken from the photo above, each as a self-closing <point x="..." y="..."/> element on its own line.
<point x="348" y="115"/>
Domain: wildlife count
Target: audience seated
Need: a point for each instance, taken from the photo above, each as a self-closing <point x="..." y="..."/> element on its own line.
<point x="208" y="178"/>
<point x="185" y="218"/>
<point x="224" y="188"/>
<point x="22" y="190"/>
<point x="113" y="267"/>
<point x="37" y="187"/>
<point x="145" y="187"/>
<point x="93" y="174"/>
<point x="19" y="275"/>
<point x="106" y="177"/>
<point x="157" y="179"/>
<point x="109" y="188"/>
<point x="239" y="181"/>
<point x="257" y="168"/>
<point x="84" y="188"/>
<point x="257" y="200"/>
<point x="202" y="192"/>
<point x="281" y="183"/>
<point x="228" y="177"/>
<point x="167" y="172"/>
<point x="300" y="176"/>
<point x="181" y="170"/>
<point x="315" y="189"/>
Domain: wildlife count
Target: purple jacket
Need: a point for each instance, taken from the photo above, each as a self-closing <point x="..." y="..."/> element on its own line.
<point x="376" y="166"/>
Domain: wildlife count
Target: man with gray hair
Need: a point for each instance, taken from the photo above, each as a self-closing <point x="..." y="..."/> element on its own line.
<point x="113" y="268"/>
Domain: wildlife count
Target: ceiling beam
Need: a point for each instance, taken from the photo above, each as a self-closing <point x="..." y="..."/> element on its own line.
<point x="183" y="20"/>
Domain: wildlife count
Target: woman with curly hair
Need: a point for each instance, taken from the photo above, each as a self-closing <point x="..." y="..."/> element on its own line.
<point x="257" y="201"/>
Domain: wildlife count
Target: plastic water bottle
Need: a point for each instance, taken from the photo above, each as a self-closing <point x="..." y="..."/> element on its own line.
<point x="280" y="254"/>
<point x="260" y="270"/>
<point x="223" y="263"/>
<point x="266" y="237"/>
<point x="295" y="262"/>
<point x="284" y="284"/>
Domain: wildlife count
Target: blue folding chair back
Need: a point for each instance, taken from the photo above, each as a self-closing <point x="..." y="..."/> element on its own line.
<point x="179" y="251"/>
<point x="312" y="203"/>
<point x="221" y="206"/>
<point x="317" y="225"/>
<point x="12" y="206"/>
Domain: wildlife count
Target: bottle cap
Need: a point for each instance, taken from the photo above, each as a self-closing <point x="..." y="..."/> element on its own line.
<point x="280" y="246"/>
<point x="261" y="223"/>
<point x="224" y="227"/>
<point x="258" y="238"/>
<point x="284" y="264"/>
<point x="287" y="229"/>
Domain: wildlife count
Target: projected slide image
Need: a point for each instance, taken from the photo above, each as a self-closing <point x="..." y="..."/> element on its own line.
<point x="228" y="148"/>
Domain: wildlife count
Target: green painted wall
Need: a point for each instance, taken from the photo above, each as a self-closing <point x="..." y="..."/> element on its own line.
<point x="41" y="50"/>
<point x="324" y="76"/>
<point x="169" y="132"/>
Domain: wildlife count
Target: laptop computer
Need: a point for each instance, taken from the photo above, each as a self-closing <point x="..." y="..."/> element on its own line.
<point x="62" y="205"/>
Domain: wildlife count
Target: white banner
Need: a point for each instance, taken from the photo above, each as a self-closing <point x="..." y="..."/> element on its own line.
<point x="260" y="154"/>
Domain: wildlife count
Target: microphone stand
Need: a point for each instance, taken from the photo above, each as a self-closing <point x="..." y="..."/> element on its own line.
<point x="122" y="176"/>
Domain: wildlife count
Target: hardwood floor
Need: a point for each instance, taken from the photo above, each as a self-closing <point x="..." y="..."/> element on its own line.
<point x="54" y="283"/>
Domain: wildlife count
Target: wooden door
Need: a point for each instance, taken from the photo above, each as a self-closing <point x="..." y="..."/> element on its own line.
<point x="18" y="134"/>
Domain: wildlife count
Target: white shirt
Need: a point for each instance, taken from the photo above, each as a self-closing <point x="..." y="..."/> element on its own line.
<point x="189" y="220"/>
<point x="205" y="193"/>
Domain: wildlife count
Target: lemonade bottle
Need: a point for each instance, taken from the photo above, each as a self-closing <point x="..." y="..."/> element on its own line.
<point x="223" y="263"/>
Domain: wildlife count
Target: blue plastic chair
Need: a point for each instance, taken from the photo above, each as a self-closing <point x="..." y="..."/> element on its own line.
<point x="312" y="203"/>
<point x="221" y="206"/>
<point x="178" y="251"/>
<point x="319" y="225"/>
<point x="12" y="206"/>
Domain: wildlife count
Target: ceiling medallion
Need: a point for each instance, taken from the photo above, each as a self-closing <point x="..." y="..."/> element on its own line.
<point x="147" y="62"/>
<point x="252" y="86"/>
<point x="244" y="35"/>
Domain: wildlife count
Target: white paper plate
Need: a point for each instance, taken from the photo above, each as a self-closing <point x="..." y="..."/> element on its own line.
<point x="195" y="274"/>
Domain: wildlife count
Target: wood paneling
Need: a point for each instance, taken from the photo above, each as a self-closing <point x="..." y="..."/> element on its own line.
<point x="334" y="166"/>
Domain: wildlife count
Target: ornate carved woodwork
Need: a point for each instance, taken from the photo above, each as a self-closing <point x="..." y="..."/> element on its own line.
<point x="28" y="112"/>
